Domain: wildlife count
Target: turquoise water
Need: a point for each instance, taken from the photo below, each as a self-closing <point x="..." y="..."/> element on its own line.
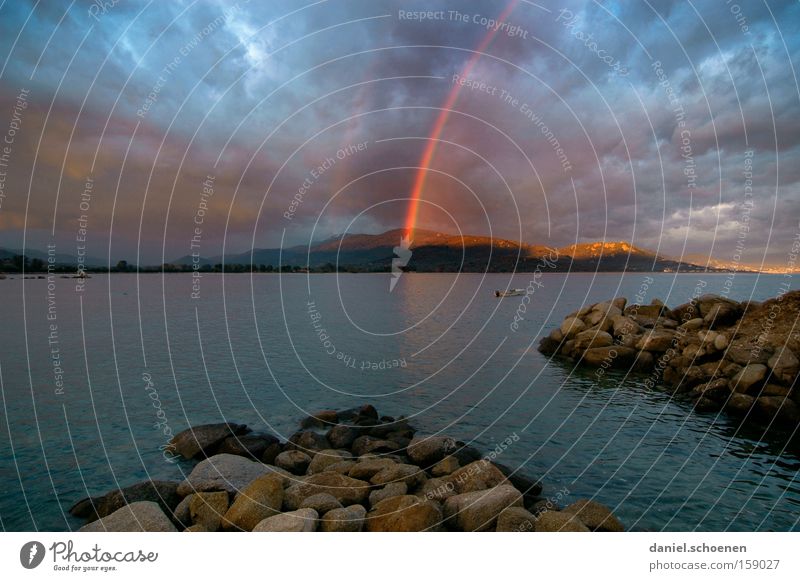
<point x="439" y="348"/>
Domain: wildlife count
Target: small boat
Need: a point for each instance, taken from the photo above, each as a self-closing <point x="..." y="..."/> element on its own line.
<point x="512" y="292"/>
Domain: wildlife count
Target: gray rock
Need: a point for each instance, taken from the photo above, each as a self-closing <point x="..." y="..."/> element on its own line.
<point x="298" y="521"/>
<point x="344" y="520"/>
<point x="388" y="491"/>
<point x="478" y="511"/>
<point x="201" y="440"/>
<point x="144" y="516"/>
<point x="342" y="436"/>
<point x="293" y="461"/>
<point x="225" y="472"/>
<point x="322" y="502"/>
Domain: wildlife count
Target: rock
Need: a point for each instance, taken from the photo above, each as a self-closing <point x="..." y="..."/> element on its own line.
<point x="721" y="314"/>
<point x="614" y="355"/>
<point x="656" y="340"/>
<point x="720" y="342"/>
<point x="388" y="491"/>
<point x="594" y="515"/>
<point x="162" y="492"/>
<point x="320" y="419"/>
<point x="249" y="445"/>
<point x="772" y="389"/>
<point x="623" y="325"/>
<point x="342" y="436"/>
<point x="556" y="336"/>
<point x="706" y="404"/>
<point x="294" y="461"/>
<point x="144" y="516"/>
<point x="342" y="467"/>
<point x="559" y="522"/>
<point x="272" y="451"/>
<point x="571" y="327"/>
<point x="741" y="353"/>
<point x="445" y="466"/>
<point x="368" y="411"/>
<point x="649" y="311"/>
<point x="404" y="514"/>
<point x="411" y="475"/>
<point x="325" y="458"/>
<point x="345" y="489"/>
<point x="369" y="445"/>
<point x="369" y="467"/>
<point x="322" y="502"/>
<point x="714" y="390"/>
<point x="592" y="338"/>
<point x="478" y="475"/>
<point x="782" y="409"/>
<point x="181" y="514"/>
<point x="208" y="508"/>
<point x="225" y="472"/>
<point x="602" y="312"/>
<point x="426" y="451"/>
<point x="692" y="325"/>
<point x="308" y="442"/>
<point x="86" y="508"/>
<point x="785" y="365"/>
<point x="195" y="529"/>
<point x="201" y="440"/>
<point x="298" y="521"/>
<point x="739" y="403"/>
<point x="344" y="520"/>
<point x="515" y="519"/>
<point x="261" y="499"/>
<point x="753" y="374"/>
<point x="478" y="511"/>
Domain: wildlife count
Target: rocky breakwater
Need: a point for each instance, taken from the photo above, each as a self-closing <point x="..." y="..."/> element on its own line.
<point x="743" y="358"/>
<point x="345" y="471"/>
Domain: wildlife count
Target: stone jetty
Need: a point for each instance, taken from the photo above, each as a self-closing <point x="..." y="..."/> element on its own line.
<point x="740" y="357"/>
<point x="346" y="471"/>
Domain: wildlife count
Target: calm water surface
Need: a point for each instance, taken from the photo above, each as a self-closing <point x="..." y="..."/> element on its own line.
<point x="266" y="349"/>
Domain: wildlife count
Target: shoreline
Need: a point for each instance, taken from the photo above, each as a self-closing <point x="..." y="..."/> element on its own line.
<point x="343" y="471"/>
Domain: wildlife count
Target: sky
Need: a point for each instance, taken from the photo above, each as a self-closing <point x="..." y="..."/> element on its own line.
<point x="146" y="131"/>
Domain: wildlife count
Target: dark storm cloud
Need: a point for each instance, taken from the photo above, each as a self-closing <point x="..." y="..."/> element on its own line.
<point x="655" y="154"/>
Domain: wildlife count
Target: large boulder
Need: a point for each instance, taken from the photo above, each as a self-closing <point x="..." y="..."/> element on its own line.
<point x="613" y="356"/>
<point x="307" y="441"/>
<point x="426" y="451"/>
<point x="322" y="502"/>
<point x="594" y="515"/>
<point x="298" y="521"/>
<point x="388" y="491"/>
<point x="404" y="514"/>
<point x="369" y="467"/>
<point x="478" y="475"/>
<point x="739" y="403"/>
<point x="782" y="409"/>
<point x="250" y="445"/>
<point x="325" y="458"/>
<point x="371" y="445"/>
<point x="320" y="419"/>
<point x="342" y="436"/>
<point x="261" y="499"/>
<point x="344" y="520"/>
<point x="408" y="473"/>
<point x="345" y="489"/>
<point x="752" y="375"/>
<point x="293" y="461"/>
<point x="478" y="511"/>
<point x="571" y="326"/>
<point x="592" y="338"/>
<point x="785" y="365"/>
<point x="208" y="509"/>
<point x="225" y="472"/>
<point x="656" y="341"/>
<point x="515" y="519"/>
<point x="202" y="440"/>
<point x="144" y="516"/>
<point x="559" y="522"/>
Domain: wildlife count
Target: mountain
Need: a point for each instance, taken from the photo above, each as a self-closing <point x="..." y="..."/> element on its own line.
<point x="439" y="252"/>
